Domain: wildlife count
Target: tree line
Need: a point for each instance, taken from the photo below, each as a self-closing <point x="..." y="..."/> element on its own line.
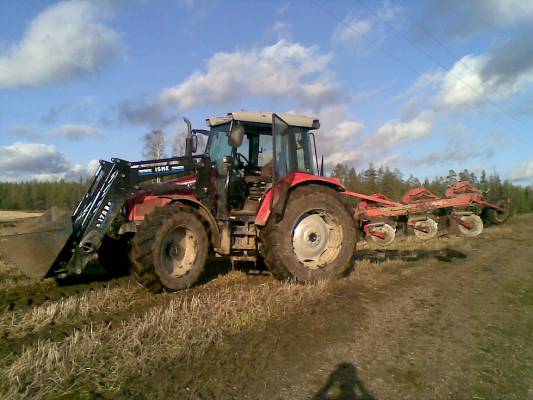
<point x="393" y="184"/>
<point x="390" y="182"/>
<point x="40" y="195"/>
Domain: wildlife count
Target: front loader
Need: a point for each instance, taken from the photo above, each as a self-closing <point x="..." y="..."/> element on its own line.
<point x="253" y="194"/>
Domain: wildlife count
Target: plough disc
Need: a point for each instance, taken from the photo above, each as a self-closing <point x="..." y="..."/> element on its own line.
<point x="425" y="229"/>
<point x="470" y="225"/>
<point x="382" y="235"/>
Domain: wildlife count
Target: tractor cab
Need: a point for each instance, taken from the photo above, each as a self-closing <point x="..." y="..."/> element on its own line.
<point x="252" y="152"/>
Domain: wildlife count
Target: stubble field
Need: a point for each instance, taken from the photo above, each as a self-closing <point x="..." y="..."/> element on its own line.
<point x="451" y="318"/>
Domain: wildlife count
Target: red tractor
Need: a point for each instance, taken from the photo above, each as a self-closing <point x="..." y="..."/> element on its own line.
<point x="255" y="193"/>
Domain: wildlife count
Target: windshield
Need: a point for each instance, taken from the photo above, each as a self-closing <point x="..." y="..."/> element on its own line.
<point x="218" y="145"/>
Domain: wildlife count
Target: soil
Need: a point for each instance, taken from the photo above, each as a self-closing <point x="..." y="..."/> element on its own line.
<point x="454" y="322"/>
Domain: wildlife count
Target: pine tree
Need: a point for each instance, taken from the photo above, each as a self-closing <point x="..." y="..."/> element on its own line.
<point x="370" y="178"/>
<point x="464" y="175"/>
<point x="451" y="179"/>
<point x="483" y="184"/>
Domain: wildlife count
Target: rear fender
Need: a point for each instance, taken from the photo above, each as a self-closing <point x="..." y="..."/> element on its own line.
<point x="296" y="179"/>
<point x="150" y="203"/>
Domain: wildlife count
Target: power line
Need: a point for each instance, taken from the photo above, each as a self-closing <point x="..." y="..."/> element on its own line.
<point x="442" y="45"/>
<point x="391" y="55"/>
<point x="429" y="55"/>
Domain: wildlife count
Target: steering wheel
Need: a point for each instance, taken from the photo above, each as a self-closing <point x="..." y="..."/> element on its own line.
<point x="242" y="159"/>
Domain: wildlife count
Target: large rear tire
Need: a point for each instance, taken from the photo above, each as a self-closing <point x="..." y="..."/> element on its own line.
<point x="315" y="240"/>
<point x="170" y="248"/>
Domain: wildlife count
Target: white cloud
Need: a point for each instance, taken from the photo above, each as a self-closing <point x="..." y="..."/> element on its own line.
<point x="476" y="80"/>
<point x="523" y="172"/>
<point x="24" y="132"/>
<point x="395" y="132"/>
<point x="280" y="30"/>
<point x="285" y="69"/>
<point x="354" y="31"/>
<point x="66" y="40"/>
<point x="76" y="132"/>
<point x="338" y="136"/>
<point x="23" y="161"/>
<point x="92" y="166"/>
<point x="67" y="131"/>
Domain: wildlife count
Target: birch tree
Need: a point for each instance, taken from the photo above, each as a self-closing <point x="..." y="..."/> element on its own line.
<point x="154" y="145"/>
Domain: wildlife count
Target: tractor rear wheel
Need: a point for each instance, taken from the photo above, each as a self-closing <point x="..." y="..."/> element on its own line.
<point x="315" y="240"/>
<point x="170" y="248"/>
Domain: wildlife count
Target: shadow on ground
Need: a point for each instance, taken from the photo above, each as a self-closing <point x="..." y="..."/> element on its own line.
<point x="344" y="384"/>
<point x="381" y="255"/>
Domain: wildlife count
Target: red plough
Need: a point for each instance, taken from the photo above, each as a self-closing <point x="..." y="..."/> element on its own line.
<point x="427" y="214"/>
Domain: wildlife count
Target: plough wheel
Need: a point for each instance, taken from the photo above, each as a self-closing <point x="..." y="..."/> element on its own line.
<point x="470" y="225"/>
<point x="383" y="235"/>
<point x="499" y="217"/>
<point x="426" y="229"/>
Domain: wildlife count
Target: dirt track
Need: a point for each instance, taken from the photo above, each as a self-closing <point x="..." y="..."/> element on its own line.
<point x="447" y="319"/>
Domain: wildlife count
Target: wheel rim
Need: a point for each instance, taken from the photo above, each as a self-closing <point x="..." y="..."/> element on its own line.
<point x="388" y="232"/>
<point x="476" y="225"/>
<point x="178" y="252"/>
<point x="316" y="239"/>
<point x="429" y="229"/>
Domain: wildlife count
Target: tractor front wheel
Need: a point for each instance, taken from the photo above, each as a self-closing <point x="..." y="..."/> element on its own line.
<point x="314" y="240"/>
<point x="169" y="250"/>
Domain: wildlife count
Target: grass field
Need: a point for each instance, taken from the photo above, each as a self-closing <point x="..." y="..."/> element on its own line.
<point x="450" y="318"/>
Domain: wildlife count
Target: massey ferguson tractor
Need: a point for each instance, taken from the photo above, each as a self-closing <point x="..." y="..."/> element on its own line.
<point x="256" y="193"/>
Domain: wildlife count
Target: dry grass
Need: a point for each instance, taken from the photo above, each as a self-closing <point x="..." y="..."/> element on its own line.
<point x="12" y="215"/>
<point x="67" y="310"/>
<point x="99" y="357"/>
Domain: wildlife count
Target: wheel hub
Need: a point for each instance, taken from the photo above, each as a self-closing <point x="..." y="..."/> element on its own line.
<point x="179" y="252"/>
<point x="312" y="237"/>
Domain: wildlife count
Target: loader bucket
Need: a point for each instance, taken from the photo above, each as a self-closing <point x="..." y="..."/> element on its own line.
<point x="33" y="244"/>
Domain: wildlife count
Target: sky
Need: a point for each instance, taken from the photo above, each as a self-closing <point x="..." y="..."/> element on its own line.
<point x="423" y="86"/>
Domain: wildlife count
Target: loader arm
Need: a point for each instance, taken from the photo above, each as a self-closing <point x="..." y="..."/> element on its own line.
<point x="68" y="251"/>
<point x="113" y="184"/>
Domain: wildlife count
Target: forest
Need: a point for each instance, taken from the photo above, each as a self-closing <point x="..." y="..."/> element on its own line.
<point x="373" y="179"/>
<point x="393" y="184"/>
<point x="40" y="195"/>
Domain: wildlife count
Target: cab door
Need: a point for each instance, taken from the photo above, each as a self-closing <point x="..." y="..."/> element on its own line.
<point x="284" y="163"/>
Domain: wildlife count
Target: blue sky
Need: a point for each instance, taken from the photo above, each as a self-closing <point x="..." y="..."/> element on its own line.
<point x="421" y="86"/>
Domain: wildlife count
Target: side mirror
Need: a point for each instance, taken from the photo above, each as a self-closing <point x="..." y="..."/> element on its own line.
<point x="236" y="136"/>
<point x="194" y="143"/>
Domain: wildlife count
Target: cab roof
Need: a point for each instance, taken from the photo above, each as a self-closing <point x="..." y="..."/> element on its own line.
<point x="265" y="118"/>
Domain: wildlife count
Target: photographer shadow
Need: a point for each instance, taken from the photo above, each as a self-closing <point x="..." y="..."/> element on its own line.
<point x="344" y="384"/>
